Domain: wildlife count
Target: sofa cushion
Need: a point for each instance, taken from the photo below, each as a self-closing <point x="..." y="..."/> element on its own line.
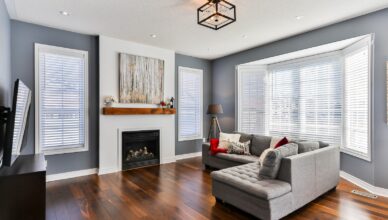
<point x="245" y="178"/>
<point x="244" y="136"/>
<point x="270" y="166"/>
<point x="238" y="158"/>
<point x="307" y="146"/>
<point x="259" y="144"/>
<point x="323" y="144"/>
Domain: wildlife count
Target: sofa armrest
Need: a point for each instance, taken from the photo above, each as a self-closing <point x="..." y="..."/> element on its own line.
<point x="311" y="174"/>
<point x="205" y="153"/>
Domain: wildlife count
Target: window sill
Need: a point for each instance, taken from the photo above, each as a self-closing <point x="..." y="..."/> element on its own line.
<point x="65" y="151"/>
<point x="190" y="139"/>
<point x="366" y="157"/>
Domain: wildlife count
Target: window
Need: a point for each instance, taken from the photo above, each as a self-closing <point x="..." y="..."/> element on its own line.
<point x="251" y="99"/>
<point x="190" y="106"/>
<point x="357" y="100"/>
<point x="323" y="97"/>
<point x="61" y="77"/>
<point x="305" y="99"/>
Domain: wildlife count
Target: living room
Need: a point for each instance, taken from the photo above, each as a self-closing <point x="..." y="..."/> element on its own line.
<point x="193" y="109"/>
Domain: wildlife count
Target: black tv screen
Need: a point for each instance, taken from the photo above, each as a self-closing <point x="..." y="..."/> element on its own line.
<point x="17" y="122"/>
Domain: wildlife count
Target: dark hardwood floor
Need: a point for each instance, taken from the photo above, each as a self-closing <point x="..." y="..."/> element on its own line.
<point x="182" y="191"/>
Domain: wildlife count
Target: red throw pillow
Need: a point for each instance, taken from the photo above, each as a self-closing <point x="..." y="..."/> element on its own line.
<point x="214" y="147"/>
<point x="282" y="142"/>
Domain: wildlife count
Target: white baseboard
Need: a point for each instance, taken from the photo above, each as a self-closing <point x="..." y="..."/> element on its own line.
<point x="72" y="174"/>
<point x="187" y="156"/>
<point x="367" y="186"/>
<point x="107" y="170"/>
<point x="167" y="160"/>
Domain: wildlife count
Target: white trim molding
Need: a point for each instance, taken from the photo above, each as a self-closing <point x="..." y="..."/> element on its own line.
<point x="367" y="186"/>
<point x="187" y="156"/>
<point x="71" y="174"/>
<point x="59" y="149"/>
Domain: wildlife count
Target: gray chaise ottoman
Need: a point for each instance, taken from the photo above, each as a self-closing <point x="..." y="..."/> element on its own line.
<point x="241" y="187"/>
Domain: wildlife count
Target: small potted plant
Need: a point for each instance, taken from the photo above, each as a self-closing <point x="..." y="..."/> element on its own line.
<point x="109" y="101"/>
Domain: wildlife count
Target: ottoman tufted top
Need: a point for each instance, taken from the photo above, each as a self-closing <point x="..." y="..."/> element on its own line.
<point x="246" y="178"/>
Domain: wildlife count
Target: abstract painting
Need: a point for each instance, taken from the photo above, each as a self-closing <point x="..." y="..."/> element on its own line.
<point x="141" y="79"/>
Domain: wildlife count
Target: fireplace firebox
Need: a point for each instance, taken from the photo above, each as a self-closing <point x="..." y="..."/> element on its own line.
<point x="140" y="148"/>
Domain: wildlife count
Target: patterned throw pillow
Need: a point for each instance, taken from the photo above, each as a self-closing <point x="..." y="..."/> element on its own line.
<point x="239" y="148"/>
<point x="270" y="166"/>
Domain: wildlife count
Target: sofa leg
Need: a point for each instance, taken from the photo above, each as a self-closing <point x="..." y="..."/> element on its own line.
<point x="205" y="167"/>
<point x="218" y="200"/>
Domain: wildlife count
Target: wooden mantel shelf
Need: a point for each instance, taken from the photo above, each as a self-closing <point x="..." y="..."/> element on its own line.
<point x="138" y="111"/>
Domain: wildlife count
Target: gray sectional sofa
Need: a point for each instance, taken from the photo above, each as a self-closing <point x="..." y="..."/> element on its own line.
<point x="301" y="178"/>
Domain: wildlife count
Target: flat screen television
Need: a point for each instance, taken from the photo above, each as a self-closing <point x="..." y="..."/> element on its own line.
<point x="16" y="123"/>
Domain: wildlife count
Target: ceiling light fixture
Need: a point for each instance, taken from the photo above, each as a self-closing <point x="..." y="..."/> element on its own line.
<point x="245" y="36"/>
<point x="216" y="14"/>
<point x="299" y="17"/>
<point x="153" y="35"/>
<point x="64" y="13"/>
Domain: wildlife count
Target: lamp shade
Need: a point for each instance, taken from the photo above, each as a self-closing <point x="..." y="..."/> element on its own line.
<point x="214" y="109"/>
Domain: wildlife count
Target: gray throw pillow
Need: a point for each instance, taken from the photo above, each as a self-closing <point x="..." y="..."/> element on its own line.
<point x="323" y="144"/>
<point x="271" y="164"/>
<point x="307" y="146"/>
<point x="244" y="136"/>
<point x="259" y="144"/>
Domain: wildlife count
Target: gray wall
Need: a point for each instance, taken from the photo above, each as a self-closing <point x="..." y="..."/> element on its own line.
<point x="224" y="84"/>
<point x="24" y="35"/>
<point x="5" y="54"/>
<point x="185" y="147"/>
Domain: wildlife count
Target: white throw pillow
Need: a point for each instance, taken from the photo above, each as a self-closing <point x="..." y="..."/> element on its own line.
<point x="227" y="139"/>
<point x="263" y="155"/>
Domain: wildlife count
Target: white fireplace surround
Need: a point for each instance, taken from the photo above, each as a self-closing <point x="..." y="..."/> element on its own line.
<point x="112" y="126"/>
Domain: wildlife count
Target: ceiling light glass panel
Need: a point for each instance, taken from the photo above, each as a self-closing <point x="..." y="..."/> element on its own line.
<point x="216" y="14"/>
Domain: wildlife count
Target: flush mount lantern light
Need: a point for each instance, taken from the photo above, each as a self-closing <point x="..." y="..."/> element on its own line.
<point x="216" y="14"/>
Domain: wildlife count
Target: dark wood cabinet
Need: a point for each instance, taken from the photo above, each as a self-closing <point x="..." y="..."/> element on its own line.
<point x="23" y="189"/>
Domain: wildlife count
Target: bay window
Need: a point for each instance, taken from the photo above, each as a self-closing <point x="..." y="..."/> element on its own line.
<point x="322" y="97"/>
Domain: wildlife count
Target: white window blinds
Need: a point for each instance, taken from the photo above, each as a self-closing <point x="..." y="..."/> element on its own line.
<point x="62" y="99"/>
<point x="251" y="99"/>
<point x="305" y="99"/>
<point x="190" y="104"/>
<point x="356" y="109"/>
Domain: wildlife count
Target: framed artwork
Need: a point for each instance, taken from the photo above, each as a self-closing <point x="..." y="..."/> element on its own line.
<point x="141" y="79"/>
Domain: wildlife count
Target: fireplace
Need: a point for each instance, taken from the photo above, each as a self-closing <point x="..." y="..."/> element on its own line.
<point x="140" y="148"/>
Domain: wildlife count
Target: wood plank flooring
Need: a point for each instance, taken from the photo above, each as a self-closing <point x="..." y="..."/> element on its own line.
<point x="182" y="190"/>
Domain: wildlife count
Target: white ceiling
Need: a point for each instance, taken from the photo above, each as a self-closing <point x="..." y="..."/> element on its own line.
<point x="175" y="22"/>
<point x="326" y="48"/>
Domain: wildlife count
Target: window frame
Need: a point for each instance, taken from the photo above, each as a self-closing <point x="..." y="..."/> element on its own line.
<point x="181" y="70"/>
<point x="352" y="49"/>
<point x="39" y="48"/>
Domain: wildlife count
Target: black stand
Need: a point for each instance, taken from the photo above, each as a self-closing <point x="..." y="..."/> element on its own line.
<point x="5" y="114"/>
<point x="23" y="189"/>
<point x="214" y="125"/>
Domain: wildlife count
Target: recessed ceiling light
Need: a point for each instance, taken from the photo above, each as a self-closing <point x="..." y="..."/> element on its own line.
<point x="299" y="17"/>
<point x="64" y="13"/>
<point x="244" y="36"/>
<point x="153" y="35"/>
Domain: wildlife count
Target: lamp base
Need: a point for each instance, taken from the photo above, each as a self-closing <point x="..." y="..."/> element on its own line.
<point x="214" y="126"/>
